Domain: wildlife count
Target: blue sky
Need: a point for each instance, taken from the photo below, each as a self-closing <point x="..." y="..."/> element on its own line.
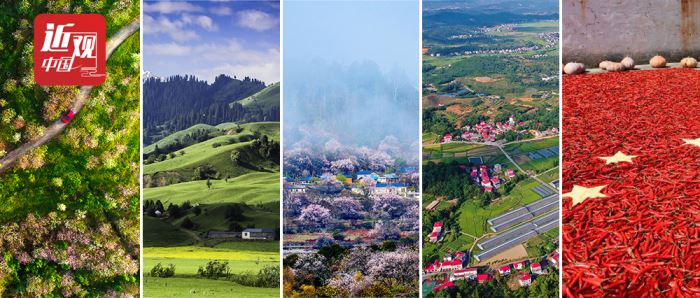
<point x="385" y="32"/>
<point x="208" y="38"/>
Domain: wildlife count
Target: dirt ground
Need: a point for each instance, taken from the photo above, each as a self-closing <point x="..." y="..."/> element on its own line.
<point x="517" y="252"/>
<point x="485" y="79"/>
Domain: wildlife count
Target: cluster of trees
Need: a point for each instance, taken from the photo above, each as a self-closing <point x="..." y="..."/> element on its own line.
<point x="198" y="102"/>
<point x="304" y="159"/>
<point x="546" y="285"/>
<point x="78" y="235"/>
<point x="334" y="271"/>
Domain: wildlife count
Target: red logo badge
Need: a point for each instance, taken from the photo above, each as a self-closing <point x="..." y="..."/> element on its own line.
<point x="69" y="49"/>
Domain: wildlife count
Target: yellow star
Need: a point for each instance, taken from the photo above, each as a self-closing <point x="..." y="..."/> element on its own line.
<point x="695" y="142"/>
<point x="618" y="157"/>
<point x="579" y="193"/>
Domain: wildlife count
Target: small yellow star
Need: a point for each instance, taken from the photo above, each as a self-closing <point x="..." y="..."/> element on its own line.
<point x="695" y="142"/>
<point x="618" y="157"/>
<point x="579" y="193"/>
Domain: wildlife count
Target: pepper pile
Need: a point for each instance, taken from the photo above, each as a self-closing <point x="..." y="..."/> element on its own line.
<point x="631" y="227"/>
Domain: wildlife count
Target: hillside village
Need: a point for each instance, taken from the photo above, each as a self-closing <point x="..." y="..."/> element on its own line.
<point x="360" y="183"/>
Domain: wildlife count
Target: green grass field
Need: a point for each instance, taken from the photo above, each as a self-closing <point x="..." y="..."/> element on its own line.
<point x="187" y="259"/>
<point x="196" y="287"/>
<point x="542" y="243"/>
<point x="159" y="232"/>
<point x="251" y="188"/>
<point x="242" y="257"/>
<point x="550" y="176"/>
<point x="472" y="217"/>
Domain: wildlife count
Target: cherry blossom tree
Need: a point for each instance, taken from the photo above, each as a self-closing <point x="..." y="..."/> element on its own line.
<point x="312" y="269"/>
<point x="389" y="205"/>
<point x="400" y="265"/>
<point x="347" y="208"/>
<point x="315" y="214"/>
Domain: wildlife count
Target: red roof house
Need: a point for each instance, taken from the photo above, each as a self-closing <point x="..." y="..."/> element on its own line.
<point x="525" y="280"/>
<point x="510" y="173"/>
<point x="504" y="270"/>
<point x="443" y="286"/>
<point x="536" y="268"/>
<point x="519" y="265"/>
<point x="484" y="277"/>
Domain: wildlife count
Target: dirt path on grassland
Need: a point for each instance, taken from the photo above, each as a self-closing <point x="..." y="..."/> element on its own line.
<point x="57" y="127"/>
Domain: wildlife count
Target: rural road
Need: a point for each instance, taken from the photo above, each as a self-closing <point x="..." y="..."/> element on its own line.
<point x="57" y="127"/>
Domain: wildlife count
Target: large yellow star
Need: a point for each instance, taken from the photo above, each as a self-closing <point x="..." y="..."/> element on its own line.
<point x="579" y="193"/>
<point x="618" y="157"/>
<point x="695" y="142"/>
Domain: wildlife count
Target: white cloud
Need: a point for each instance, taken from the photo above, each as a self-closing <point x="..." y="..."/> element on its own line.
<point x="167" y="49"/>
<point x="257" y="20"/>
<point x="221" y="11"/>
<point x="170" y="7"/>
<point x="202" y="21"/>
<point x="231" y="57"/>
<point x="177" y="28"/>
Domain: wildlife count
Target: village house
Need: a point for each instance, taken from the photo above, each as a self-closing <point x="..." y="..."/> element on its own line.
<point x="390" y="188"/>
<point x="295" y="188"/>
<point x="388" y="178"/>
<point x="484" y="277"/>
<point x="536" y="268"/>
<point x="510" y="173"/>
<point x="519" y="265"/>
<point x="434" y="267"/>
<point x="445" y="285"/>
<point x="258" y="234"/>
<point x="466" y="273"/>
<point x="218" y="234"/>
<point x="447" y="138"/>
<point x="451" y="265"/>
<point x="504" y="270"/>
<point x="435" y="234"/>
<point x="525" y="280"/>
<point x="364" y="175"/>
<point x="554" y="259"/>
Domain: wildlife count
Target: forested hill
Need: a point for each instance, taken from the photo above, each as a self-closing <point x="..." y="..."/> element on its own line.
<point x="178" y="102"/>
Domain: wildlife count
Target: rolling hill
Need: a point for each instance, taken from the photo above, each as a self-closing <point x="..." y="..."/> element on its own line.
<point x="215" y="152"/>
<point x="265" y="100"/>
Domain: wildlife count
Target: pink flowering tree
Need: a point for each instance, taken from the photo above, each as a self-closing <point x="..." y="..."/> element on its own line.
<point x="400" y="266"/>
<point x="293" y="203"/>
<point x="349" y="164"/>
<point x="386" y="230"/>
<point x="346" y="208"/>
<point x="389" y="205"/>
<point x="311" y="269"/>
<point x="315" y="215"/>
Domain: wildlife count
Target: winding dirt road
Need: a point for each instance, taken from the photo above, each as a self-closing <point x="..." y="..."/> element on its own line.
<point x="57" y="127"/>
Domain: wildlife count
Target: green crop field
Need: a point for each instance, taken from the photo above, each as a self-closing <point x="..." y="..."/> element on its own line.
<point x="534" y="145"/>
<point x="251" y="188"/>
<point x="197" y="287"/>
<point x="542" y="164"/>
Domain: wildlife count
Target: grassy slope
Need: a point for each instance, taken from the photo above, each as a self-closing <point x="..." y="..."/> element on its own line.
<point x="265" y="99"/>
<point x="177" y="135"/>
<point x="252" y="188"/>
<point x="158" y="232"/>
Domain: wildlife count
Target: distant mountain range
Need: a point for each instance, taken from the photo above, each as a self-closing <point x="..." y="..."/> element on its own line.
<point x="178" y="102"/>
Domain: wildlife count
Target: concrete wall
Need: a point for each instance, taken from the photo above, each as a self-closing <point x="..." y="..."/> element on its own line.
<point x="597" y="30"/>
